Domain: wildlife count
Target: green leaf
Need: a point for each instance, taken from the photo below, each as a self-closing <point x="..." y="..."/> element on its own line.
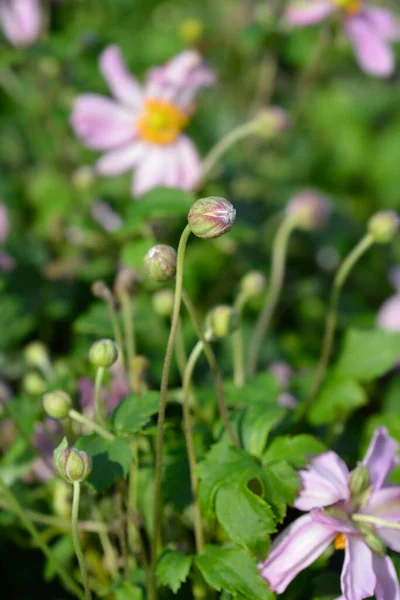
<point x="111" y="459"/>
<point x="281" y="484"/>
<point x="337" y="399"/>
<point x="173" y="569"/>
<point x="294" y="450"/>
<point x="256" y="424"/>
<point x="232" y="570"/>
<point x="127" y="591"/>
<point x="368" y="354"/>
<point x="63" y="549"/>
<point x="246" y="518"/>
<point x="134" y="412"/>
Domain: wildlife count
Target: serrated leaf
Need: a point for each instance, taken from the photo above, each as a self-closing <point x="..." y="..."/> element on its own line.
<point x="232" y="570"/>
<point x="134" y="412"/>
<point x="127" y="591"/>
<point x="338" y="398"/>
<point x="173" y="569"/>
<point x="110" y="459"/>
<point x="256" y="424"/>
<point x="295" y="450"/>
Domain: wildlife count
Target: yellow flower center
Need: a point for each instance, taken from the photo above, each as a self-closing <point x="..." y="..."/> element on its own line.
<point x="351" y="7"/>
<point x="161" y="122"/>
<point x="339" y="543"/>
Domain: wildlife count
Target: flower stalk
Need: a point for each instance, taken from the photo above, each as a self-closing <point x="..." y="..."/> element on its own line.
<point x="97" y="396"/>
<point x="239" y="371"/>
<point x="79" y="418"/>
<point x="75" y="537"/>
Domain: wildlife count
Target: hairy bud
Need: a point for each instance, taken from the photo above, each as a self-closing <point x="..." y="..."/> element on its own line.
<point x="211" y="217"/>
<point x="221" y="321"/>
<point x="253" y="284"/>
<point x="163" y="302"/>
<point x="383" y="226"/>
<point x="103" y="353"/>
<point x="72" y="464"/>
<point x="309" y="209"/>
<point x="160" y="262"/>
<point x="57" y="404"/>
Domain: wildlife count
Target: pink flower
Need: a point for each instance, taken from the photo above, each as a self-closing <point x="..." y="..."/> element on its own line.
<point x="370" y="29"/>
<point x="141" y="129"/>
<point x="21" y="21"/>
<point x="7" y="262"/>
<point x="389" y="313"/>
<point x="283" y="374"/>
<point x="354" y="511"/>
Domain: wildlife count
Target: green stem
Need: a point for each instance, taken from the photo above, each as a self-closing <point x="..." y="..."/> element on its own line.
<point x="239" y="375"/>
<point x="79" y="418"/>
<point x="212" y="362"/>
<point x="75" y="537"/>
<point x="279" y="253"/>
<point x="97" y="396"/>
<point x="330" y="324"/>
<point x="375" y="521"/>
<point x="108" y="549"/>
<point x="121" y="520"/>
<point x="163" y="403"/>
<point x="128" y="315"/>
<point x="116" y="328"/>
<point x="180" y="350"/>
<point x="191" y="452"/>
<point x="132" y="497"/>
<point x="47" y="551"/>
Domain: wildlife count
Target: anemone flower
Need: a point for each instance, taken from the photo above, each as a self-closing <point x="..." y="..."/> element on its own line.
<point x="370" y="29"/>
<point x="358" y="512"/>
<point x="141" y="130"/>
<point x="20" y="21"/>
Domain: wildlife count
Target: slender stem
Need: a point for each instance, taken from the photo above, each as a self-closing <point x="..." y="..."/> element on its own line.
<point x="47" y="551"/>
<point x="128" y="315"/>
<point x="108" y="548"/>
<point x="79" y="418"/>
<point x="212" y="362"/>
<point x="239" y="375"/>
<point x="116" y="327"/>
<point x="279" y="252"/>
<point x="97" y="396"/>
<point x="75" y="537"/>
<point x="375" y="521"/>
<point x="119" y="499"/>
<point x="180" y="350"/>
<point x="163" y="403"/>
<point x="132" y="496"/>
<point x="330" y="324"/>
<point x="191" y="452"/>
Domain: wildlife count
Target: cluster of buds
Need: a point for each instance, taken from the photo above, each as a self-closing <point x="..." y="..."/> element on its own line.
<point x="73" y="465"/>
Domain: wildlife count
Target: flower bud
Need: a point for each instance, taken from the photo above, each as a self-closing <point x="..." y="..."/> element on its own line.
<point x="57" y="404"/>
<point x="253" y="284"/>
<point x="191" y="30"/>
<point x="309" y="209"/>
<point x="273" y="120"/>
<point x="383" y="226"/>
<point x="359" y="481"/>
<point x="72" y="464"/>
<point x="372" y="539"/>
<point x="102" y="291"/>
<point x="221" y="321"/>
<point x="103" y="353"/>
<point x="36" y="354"/>
<point x="163" y="302"/>
<point x="160" y="262"/>
<point x="211" y="217"/>
<point x="34" y="384"/>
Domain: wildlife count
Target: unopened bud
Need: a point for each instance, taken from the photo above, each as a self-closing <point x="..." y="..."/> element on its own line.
<point x="221" y="321"/>
<point x="211" y="217"/>
<point x="273" y="120"/>
<point x="372" y="539"/>
<point x="359" y="481"/>
<point x="102" y="291"/>
<point x="191" y="30"/>
<point x="36" y="354"/>
<point x="160" y="262"/>
<point x="83" y="178"/>
<point x="253" y="284"/>
<point x="103" y="353"/>
<point x="57" y="404"/>
<point x="163" y="302"/>
<point x="126" y="282"/>
<point x="309" y="209"/>
<point x="34" y="384"/>
<point x="72" y="464"/>
<point x="383" y="226"/>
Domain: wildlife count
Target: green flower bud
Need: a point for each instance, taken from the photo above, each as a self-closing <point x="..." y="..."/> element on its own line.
<point x="57" y="404"/>
<point x="383" y="226"/>
<point x="221" y="321"/>
<point x="103" y="353"/>
<point x="253" y="284"/>
<point x="211" y="217"/>
<point x="359" y="482"/>
<point x="272" y="120"/>
<point x="372" y="539"/>
<point x="163" y="302"/>
<point x="72" y="464"/>
<point x="160" y="262"/>
<point x="36" y="354"/>
<point x="309" y="209"/>
<point x="34" y="384"/>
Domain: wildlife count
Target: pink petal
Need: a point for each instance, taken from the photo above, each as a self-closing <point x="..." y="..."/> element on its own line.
<point x="293" y="550"/>
<point x="384" y="503"/>
<point x="101" y="123"/>
<point x="394" y="277"/>
<point x="391" y="537"/>
<point x="123" y="85"/>
<point x="303" y="12"/>
<point x="373" y="52"/>
<point x="380" y="457"/>
<point x="384" y="22"/>
<point x="152" y="171"/>
<point x="340" y="525"/>
<point x="387" y="584"/>
<point x="358" y="578"/>
<point x="389" y="314"/>
<point x="4" y="226"/>
<point x="189" y="164"/>
<point x="324" y="482"/>
<point x="21" y="21"/>
<point x="119" y="161"/>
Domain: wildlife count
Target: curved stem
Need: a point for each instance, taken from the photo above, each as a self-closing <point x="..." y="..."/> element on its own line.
<point x="37" y="538"/>
<point x="180" y="350"/>
<point x="198" y="528"/>
<point x="128" y="315"/>
<point x="239" y="375"/>
<point x="279" y="252"/>
<point x="79" y="418"/>
<point x="375" y="521"/>
<point x="75" y="537"/>
<point x="330" y="324"/>
<point x="212" y="362"/>
<point x="97" y="396"/>
<point x="163" y="403"/>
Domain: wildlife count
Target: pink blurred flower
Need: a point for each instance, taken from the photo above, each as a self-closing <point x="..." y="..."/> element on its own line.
<point x="105" y="216"/>
<point x="21" y="21"/>
<point x="7" y="262"/>
<point x="369" y="29"/>
<point x="141" y="129"/>
<point x="46" y="437"/>
<point x="283" y="374"/>
<point x="334" y="499"/>
<point x="389" y="314"/>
